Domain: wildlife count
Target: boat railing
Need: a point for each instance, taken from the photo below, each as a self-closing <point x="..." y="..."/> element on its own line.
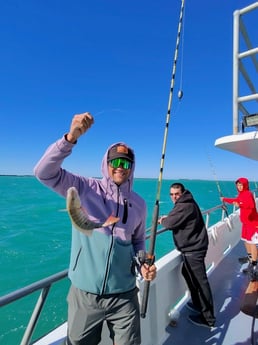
<point x="46" y="284"/>
<point x="207" y="217"/>
<point x="224" y="213"/>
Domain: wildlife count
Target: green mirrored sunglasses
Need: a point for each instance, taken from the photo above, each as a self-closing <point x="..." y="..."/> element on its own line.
<point x="117" y="162"/>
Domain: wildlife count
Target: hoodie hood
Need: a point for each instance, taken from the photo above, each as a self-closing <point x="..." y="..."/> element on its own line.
<point x="127" y="185"/>
<point x="244" y="182"/>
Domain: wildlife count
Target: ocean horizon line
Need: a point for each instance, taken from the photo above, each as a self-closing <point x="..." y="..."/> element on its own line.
<point x="135" y="177"/>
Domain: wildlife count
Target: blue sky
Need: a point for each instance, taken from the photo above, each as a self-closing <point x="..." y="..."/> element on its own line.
<point x="114" y="59"/>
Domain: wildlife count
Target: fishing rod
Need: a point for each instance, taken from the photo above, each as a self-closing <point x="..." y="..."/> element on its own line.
<point x="218" y="185"/>
<point x="150" y="257"/>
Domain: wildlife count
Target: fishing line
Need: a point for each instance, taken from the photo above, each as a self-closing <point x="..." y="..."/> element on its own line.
<point x="110" y="110"/>
<point x="215" y="176"/>
<point x="150" y="254"/>
<point x="218" y="185"/>
<point x="180" y="92"/>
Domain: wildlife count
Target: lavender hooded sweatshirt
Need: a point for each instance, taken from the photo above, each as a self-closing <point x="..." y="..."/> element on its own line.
<point x="100" y="263"/>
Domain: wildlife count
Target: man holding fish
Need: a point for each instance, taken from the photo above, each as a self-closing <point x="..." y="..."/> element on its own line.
<point x="108" y="232"/>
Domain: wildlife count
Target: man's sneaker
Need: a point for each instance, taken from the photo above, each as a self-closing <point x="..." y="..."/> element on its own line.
<point x="252" y="272"/>
<point x="189" y="305"/>
<point x="253" y="275"/>
<point x="243" y="259"/>
<point x="198" y="320"/>
<point x="248" y="269"/>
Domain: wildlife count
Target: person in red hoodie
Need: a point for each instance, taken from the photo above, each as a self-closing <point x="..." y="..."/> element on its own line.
<point x="249" y="219"/>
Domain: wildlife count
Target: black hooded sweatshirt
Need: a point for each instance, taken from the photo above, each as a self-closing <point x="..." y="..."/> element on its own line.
<point x="186" y="222"/>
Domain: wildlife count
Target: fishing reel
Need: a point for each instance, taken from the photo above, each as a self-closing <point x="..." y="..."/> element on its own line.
<point x="145" y="258"/>
<point x="141" y="258"/>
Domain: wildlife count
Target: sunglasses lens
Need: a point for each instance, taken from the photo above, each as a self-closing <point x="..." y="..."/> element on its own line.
<point x="117" y="162"/>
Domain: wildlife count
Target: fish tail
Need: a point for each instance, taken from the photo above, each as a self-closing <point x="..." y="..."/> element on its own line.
<point x="85" y="232"/>
<point x="110" y="220"/>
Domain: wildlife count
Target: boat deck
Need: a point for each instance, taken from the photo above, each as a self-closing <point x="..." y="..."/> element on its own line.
<point x="233" y="327"/>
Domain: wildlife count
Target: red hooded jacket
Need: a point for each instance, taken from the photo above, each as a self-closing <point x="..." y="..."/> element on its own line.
<point x="246" y="202"/>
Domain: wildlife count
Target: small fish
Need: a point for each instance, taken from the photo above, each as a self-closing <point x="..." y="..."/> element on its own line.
<point x="79" y="216"/>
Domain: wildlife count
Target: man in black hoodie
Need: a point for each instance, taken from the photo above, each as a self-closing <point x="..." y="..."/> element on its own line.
<point x="191" y="239"/>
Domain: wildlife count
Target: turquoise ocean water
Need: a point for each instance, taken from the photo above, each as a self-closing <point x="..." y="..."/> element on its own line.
<point x="35" y="241"/>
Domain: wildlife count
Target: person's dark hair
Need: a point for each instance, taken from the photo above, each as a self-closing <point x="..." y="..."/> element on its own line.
<point x="178" y="185"/>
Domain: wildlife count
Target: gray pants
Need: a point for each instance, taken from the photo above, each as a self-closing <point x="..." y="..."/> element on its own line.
<point x="87" y="312"/>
